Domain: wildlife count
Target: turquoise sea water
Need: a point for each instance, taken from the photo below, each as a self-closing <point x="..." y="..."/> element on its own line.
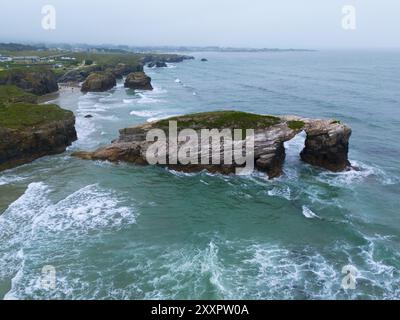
<point x="126" y="232"/>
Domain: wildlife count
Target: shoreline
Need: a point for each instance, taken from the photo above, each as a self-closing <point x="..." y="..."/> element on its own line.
<point x="63" y="88"/>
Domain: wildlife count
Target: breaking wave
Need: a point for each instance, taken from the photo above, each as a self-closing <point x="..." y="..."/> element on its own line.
<point x="36" y="222"/>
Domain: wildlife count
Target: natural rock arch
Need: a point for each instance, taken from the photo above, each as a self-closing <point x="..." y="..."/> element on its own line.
<point x="326" y="146"/>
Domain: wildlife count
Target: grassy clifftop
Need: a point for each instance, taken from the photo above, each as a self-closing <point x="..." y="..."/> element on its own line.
<point x="18" y="110"/>
<point x="13" y="94"/>
<point x="26" y="115"/>
<point x="108" y="59"/>
<point x="222" y="119"/>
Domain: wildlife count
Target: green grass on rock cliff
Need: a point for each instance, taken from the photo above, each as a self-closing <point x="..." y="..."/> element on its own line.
<point x="296" y="125"/>
<point x="13" y="94"/>
<point x="222" y="120"/>
<point x="26" y="115"/>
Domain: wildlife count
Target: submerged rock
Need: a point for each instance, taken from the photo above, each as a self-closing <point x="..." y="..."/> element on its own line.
<point x="204" y="60"/>
<point x="99" y="82"/>
<point x="30" y="131"/>
<point x="271" y="133"/>
<point x="138" y="80"/>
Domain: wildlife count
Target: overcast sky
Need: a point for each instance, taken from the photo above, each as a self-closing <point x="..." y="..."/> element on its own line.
<point x="240" y="23"/>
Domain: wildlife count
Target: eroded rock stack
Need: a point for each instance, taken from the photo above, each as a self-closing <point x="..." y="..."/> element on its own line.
<point x="99" y="82"/>
<point x="139" y="81"/>
<point x="327" y="145"/>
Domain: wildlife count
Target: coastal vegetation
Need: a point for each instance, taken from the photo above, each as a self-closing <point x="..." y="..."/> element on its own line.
<point x="29" y="130"/>
<point x="10" y="94"/>
<point x="223" y="119"/>
<point x="26" y="115"/>
<point x="296" y="125"/>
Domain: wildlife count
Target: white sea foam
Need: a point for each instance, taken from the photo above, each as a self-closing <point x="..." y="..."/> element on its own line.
<point x="144" y="113"/>
<point x="157" y="91"/>
<point x="34" y="220"/>
<point x="85" y="128"/>
<point x="280" y="191"/>
<point x="244" y="271"/>
<point x="360" y="174"/>
<point x="170" y="66"/>
<point x="161" y="117"/>
<point x="9" y="179"/>
<point x="109" y="100"/>
<point x="145" y="99"/>
<point x="90" y="207"/>
<point x="308" y="213"/>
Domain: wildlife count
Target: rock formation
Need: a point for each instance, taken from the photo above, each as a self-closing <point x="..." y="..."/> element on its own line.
<point x="171" y="58"/>
<point x="204" y="60"/>
<point x="79" y="75"/>
<point x="37" y="81"/>
<point x="138" y="80"/>
<point x="122" y="69"/>
<point x="157" y="64"/>
<point x="326" y="144"/>
<point x="30" y="131"/>
<point x="99" y="82"/>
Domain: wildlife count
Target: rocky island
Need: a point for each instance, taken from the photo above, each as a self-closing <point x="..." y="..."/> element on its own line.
<point x="326" y="143"/>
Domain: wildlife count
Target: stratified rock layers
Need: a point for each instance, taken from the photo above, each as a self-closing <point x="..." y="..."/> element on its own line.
<point x="326" y="144"/>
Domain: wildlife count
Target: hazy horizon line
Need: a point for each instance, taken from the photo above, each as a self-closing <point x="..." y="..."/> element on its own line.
<point x="93" y="44"/>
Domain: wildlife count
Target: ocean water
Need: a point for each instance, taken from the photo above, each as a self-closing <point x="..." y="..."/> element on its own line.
<point x="126" y="232"/>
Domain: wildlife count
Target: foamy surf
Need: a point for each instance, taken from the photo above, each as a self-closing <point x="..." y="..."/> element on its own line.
<point x="35" y="220"/>
<point x="308" y="213"/>
<point x="360" y="174"/>
<point x="145" y="99"/>
<point x="280" y="191"/>
<point x="6" y="179"/>
<point x="161" y="117"/>
<point x="144" y="113"/>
